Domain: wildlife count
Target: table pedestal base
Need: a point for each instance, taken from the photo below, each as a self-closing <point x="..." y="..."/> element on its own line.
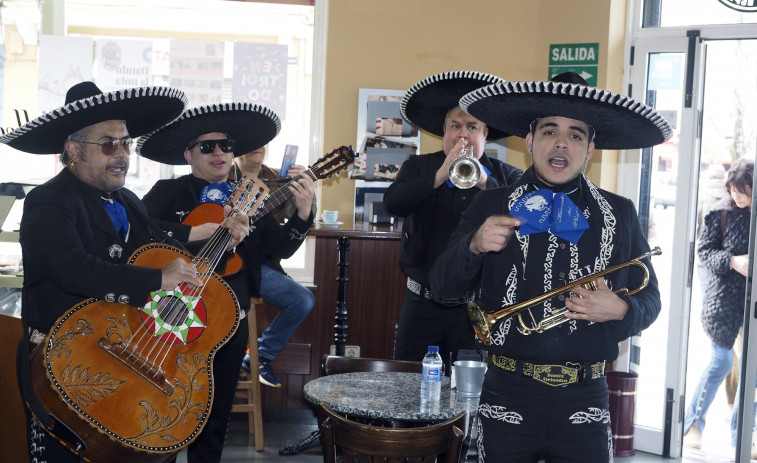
<point x="313" y="440"/>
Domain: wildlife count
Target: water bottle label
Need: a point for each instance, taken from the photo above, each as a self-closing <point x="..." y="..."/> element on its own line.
<point x="432" y="374"/>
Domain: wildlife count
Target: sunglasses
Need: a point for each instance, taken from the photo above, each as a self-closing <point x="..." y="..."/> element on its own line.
<point x="208" y="146"/>
<point x="110" y="146"/>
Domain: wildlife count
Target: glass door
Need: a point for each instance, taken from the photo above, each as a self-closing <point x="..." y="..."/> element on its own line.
<point x="659" y="79"/>
<point x="704" y="87"/>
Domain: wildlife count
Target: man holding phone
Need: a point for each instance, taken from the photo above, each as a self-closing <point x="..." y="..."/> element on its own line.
<point x="276" y="287"/>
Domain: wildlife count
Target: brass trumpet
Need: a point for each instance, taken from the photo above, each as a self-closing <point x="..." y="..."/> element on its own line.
<point x="465" y="171"/>
<point x="484" y="322"/>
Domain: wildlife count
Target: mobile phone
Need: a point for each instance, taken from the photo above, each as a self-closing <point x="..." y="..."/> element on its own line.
<point x="290" y="155"/>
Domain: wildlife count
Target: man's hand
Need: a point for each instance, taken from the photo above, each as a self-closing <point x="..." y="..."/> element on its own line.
<point x="177" y="272"/>
<point x="303" y="190"/>
<point x="238" y="226"/>
<point x="493" y="234"/>
<point x="442" y="175"/>
<point x="595" y="306"/>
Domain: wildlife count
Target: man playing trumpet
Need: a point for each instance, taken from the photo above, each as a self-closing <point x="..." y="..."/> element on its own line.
<point x="517" y="243"/>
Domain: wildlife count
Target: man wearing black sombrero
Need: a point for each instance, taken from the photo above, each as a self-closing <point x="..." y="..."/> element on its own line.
<point x="545" y="395"/>
<point x="79" y="229"/>
<point x="208" y="138"/>
<point x="432" y="205"/>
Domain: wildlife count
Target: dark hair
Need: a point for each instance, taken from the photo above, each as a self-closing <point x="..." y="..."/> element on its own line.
<point x="740" y="177"/>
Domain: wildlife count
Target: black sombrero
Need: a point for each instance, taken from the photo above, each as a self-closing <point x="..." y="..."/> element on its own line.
<point x="426" y="103"/>
<point x="620" y="122"/>
<point x="143" y="108"/>
<point x="249" y="125"/>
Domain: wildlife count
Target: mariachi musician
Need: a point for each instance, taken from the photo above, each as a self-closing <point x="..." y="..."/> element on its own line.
<point x="207" y="138"/>
<point x="79" y="228"/>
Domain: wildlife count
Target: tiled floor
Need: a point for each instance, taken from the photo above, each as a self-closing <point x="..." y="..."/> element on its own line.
<point x="286" y="427"/>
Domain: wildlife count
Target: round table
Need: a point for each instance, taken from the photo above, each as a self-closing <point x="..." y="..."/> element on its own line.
<point x="392" y="397"/>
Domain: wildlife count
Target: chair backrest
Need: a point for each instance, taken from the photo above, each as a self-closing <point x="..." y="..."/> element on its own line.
<point x="335" y="364"/>
<point x="359" y="442"/>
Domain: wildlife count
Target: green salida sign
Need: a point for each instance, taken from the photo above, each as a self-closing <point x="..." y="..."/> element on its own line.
<point x="581" y="58"/>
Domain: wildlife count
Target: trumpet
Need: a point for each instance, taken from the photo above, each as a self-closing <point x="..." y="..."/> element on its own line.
<point x="484" y="322"/>
<point x="465" y="171"/>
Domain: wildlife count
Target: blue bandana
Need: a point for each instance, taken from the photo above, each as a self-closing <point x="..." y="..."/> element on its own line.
<point x="117" y="214"/>
<point x="543" y="210"/>
<point x="216" y="193"/>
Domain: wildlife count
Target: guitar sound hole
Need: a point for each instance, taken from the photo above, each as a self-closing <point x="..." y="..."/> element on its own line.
<point x="172" y="310"/>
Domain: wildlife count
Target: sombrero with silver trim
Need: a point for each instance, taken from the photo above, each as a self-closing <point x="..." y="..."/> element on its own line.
<point x="249" y="125"/>
<point x="143" y="108"/>
<point x="620" y="122"/>
<point x="426" y="103"/>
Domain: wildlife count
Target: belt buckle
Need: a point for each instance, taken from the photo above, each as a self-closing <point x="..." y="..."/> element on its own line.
<point x="556" y="375"/>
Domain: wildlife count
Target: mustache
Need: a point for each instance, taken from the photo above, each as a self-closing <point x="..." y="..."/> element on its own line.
<point x="118" y="164"/>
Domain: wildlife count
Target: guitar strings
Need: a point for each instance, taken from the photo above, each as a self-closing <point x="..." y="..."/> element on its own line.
<point x="206" y="260"/>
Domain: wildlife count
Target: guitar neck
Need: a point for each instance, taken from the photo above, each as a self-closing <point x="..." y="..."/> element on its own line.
<point x="277" y="198"/>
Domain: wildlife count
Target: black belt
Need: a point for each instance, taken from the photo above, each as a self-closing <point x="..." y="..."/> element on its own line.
<point x="552" y="375"/>
<point x="426" y="293"/>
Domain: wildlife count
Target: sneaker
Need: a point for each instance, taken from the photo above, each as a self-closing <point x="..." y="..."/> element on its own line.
<point x="267" y="376"/>
<point x="693" y="438"/>
<point x="246" y="363"/>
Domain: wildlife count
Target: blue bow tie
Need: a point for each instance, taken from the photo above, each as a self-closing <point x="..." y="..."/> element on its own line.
<point x="216" y="193"/>
<point x="543" y="210"/>
<point x="117" y="214"/>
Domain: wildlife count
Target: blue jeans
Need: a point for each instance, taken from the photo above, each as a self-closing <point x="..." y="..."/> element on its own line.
<point x="295" y="301"/>
<point x="735" y="415"/>
<point x="711" y="379"/>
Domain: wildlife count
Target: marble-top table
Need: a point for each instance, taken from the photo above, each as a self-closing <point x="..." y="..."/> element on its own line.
<point x="386" y="396"/>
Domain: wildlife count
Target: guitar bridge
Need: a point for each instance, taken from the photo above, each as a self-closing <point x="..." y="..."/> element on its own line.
<point x="143" y="367"/>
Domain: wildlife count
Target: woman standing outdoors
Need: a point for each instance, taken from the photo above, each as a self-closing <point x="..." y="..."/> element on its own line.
<point x="723" y="250"/>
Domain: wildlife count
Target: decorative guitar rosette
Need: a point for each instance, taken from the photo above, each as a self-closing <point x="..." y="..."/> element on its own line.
<point x="166" y="308"/>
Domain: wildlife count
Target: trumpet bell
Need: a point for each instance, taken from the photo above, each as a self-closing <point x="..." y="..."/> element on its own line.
<point x="480" y="324"/>
<point x="464" y="173"/>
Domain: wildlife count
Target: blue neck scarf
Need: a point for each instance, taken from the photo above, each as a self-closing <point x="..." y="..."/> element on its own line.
<point x="543" y="210"/>
<point x="216" y="193"/>
<point x="117" y="214"/>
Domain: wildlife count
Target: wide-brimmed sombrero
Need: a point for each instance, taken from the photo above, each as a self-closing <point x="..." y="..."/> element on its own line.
<point x="620" y="122"/>
<point x="249" y="125"/>
<point x="143" y="108"/>
<point x="426" y="103"/>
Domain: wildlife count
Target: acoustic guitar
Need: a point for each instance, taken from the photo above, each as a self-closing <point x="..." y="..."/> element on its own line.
<point x="328" y="165"/>
<point x="135" y="384"/>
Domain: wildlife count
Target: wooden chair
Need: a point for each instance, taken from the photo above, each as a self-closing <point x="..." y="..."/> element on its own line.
<point x="335" y="364"/>
<point x="247" y="397"/>
<point x="358" y="442"/>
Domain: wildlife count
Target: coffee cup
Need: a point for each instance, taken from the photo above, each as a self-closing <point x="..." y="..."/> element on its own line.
<point x="329" y="216"/>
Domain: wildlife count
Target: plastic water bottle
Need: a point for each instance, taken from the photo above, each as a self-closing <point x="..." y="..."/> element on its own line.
<point x="431" y="382"/>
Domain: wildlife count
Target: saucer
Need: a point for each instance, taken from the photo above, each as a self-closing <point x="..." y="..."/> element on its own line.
<point x="324" y="224"/>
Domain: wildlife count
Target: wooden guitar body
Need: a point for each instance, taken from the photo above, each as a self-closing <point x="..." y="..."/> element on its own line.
<point x="135" y="383"/>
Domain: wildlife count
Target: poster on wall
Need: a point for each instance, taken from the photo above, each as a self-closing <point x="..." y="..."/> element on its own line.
<point x="123" y="63"/>
<point x="56" y="78"/>
<point x="196" y="67"/>
<point x="260" y="75"/>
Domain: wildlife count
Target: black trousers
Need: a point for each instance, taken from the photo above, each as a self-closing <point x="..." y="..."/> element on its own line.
<point x="227" y="363"/>
<point x="424" y="322"/>
<point x="523" y="420"/>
